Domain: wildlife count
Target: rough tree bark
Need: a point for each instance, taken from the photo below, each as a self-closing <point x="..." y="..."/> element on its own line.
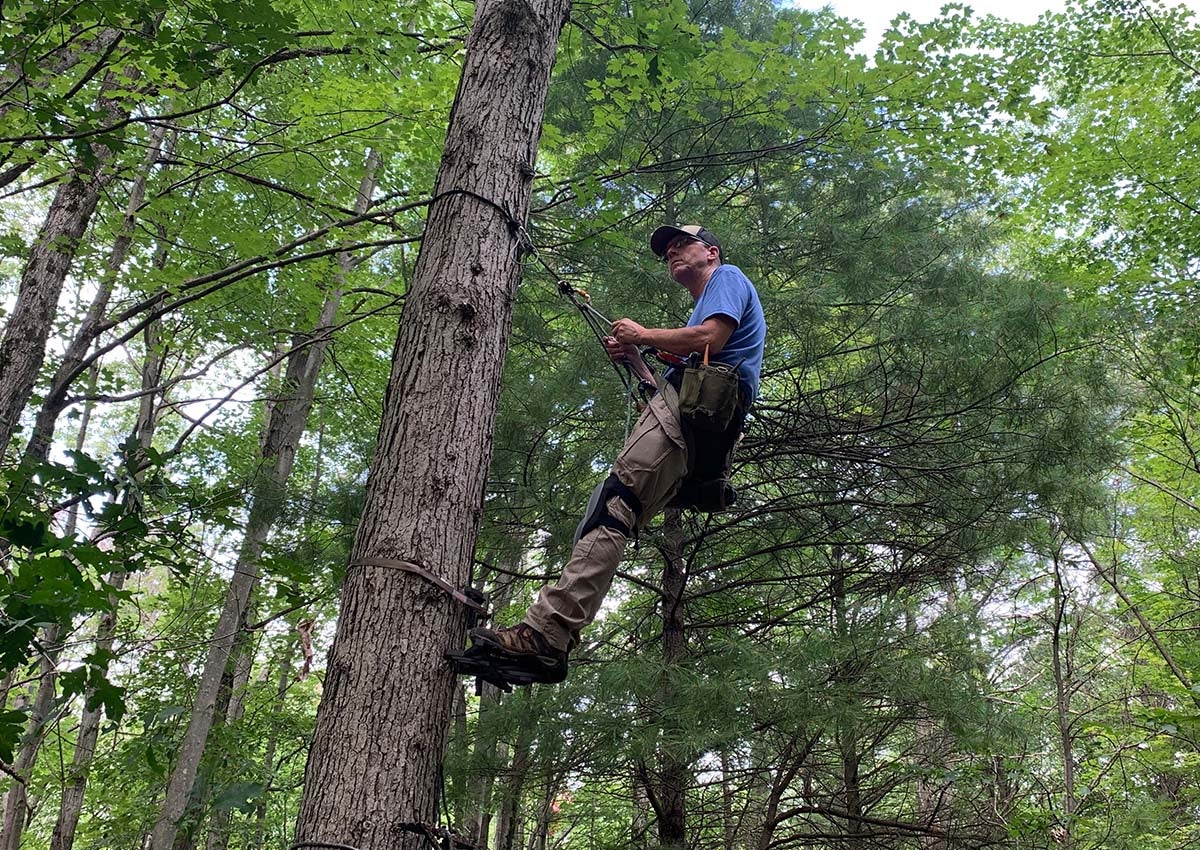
<point x="56" y="399"/>
<point x="23" y="345"/>
<point x="381" y="728"/>
<point x="283" y="429"/>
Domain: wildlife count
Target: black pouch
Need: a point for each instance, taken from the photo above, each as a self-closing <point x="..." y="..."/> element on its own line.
<point x="707" y="497"/>
<point x="709" y="395"/>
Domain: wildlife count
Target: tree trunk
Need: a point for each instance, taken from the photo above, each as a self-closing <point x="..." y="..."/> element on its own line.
<point x="23" y="345"/>
<point x="509" y="821"/>
<point x="283" y="428"/>
<point x="243" y="663"/>
<point x="729" y="827"/>
<point x="16" y="809"/>
<point x="268" y="772"/>
<point x="75" y="784"/>
<point x="229" y="704"/>
<point x="55" y="400"/>
<point x="847" y="726"/>
<point x="639" y="826"/>
<point x="673" y="768"/>
<point x="381" y="728"/>
<point x="1062" y="660"/>
<point x="75" y="781"/>
<point x="15" y="801"/>
<point x="540" y="836"/>
<point x="488" y="751"/>
<point x="51" y="68"/>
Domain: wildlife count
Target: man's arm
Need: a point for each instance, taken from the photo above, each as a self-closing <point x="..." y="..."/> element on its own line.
<point x="713" y="332"/>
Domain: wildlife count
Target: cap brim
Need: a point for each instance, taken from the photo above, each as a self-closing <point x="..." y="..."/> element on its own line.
<point x="662" y="237"/>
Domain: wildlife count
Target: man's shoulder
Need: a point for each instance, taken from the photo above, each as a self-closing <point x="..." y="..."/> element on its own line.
<point x="729" y="273"/>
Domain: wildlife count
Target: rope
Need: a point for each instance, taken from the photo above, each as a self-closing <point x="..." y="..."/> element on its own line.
<point x="517" y="228"/>
<point x="597" y="321"/>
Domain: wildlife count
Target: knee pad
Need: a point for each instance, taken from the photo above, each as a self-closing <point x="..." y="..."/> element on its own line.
<point x="597" y="509"/>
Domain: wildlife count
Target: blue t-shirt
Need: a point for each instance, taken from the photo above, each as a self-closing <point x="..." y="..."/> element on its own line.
<point x="730" y="293"/>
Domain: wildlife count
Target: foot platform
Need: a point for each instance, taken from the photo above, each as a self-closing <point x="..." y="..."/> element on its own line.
<point x="501" y="670"/>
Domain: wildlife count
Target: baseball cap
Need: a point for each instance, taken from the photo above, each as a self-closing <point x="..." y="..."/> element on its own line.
<point x="663" y="235"/>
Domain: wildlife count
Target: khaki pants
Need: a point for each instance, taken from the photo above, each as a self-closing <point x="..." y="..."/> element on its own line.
<point x="652" y="464"/>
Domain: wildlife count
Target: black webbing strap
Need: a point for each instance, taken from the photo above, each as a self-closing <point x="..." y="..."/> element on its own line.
<point x="623" y="491"/>
<point x="418" y="570"/>
<point x="438" y="837"/>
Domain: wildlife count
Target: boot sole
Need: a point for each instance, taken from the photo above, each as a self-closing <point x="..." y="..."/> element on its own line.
<point x="518" y="667"/>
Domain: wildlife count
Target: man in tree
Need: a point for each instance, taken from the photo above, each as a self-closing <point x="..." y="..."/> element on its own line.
<point x="663" y="450"/>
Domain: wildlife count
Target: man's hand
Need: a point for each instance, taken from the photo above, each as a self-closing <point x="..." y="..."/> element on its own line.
<point x="623" y="352"/>
<point x="628" y="331"/>
<point x="620" y="352"/>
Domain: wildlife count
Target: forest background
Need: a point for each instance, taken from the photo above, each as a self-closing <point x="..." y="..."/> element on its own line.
<point x="957" y="601"/>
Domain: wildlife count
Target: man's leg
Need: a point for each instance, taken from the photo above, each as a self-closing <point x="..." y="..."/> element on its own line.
<point x="651" y="465"/>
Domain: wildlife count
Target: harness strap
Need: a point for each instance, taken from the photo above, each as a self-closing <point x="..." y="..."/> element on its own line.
<point x="418" y="570"/>
<point x="671" y="396"/>
<point x="626" y="494"/>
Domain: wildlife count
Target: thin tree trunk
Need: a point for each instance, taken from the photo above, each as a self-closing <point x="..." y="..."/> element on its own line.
<point x="933" y="750"/>
<point x="729" y="828"/>
<point x="6" y="686"/>
<point x="75" y="782"/>
<point x="383" y="719"/>
<point x="16" y="808"/>
<point x="56" y="399"/>
<point x="673" y="770"/>
<point x="51" y="68"/>
<point x="791" y="761"/>
<point x="479" y="818"/>
<point x="639" y="825"/>
<point x="218" y="827"/>
<point x="228" y="710"/>
<point x="23" y="345"/>
<point x="540" y="835"/>
<point x="283" y="429"/>
<point x="268" y="773"/>
<point x="509" y="821"/>
<point x="847" y="727"/>
<point x="1062" y="662"/>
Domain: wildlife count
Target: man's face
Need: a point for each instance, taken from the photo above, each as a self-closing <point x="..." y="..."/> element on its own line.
<point x="686" y="256"/>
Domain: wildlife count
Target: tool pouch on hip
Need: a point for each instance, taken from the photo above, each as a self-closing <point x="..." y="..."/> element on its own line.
<point x="708" y="396"/>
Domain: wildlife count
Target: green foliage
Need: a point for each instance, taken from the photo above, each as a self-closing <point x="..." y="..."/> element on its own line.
<point x="975" y="249"/>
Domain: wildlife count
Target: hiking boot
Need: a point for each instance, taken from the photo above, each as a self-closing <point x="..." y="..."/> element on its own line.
<point x="524" y="652"/>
